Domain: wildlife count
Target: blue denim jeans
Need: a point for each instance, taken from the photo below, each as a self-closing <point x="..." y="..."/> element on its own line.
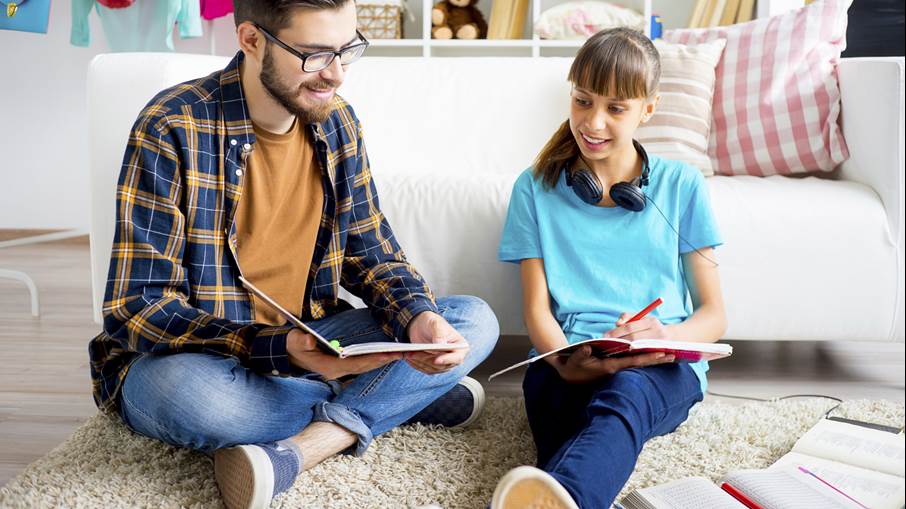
<point x="206" y="402"/>
<point x="589" y="436"/>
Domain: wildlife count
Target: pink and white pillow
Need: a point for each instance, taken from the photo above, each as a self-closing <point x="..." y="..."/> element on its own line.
<point x="776" y="100"/>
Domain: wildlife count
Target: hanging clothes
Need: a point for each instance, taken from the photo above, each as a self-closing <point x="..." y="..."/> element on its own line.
<point x="116" y="4"/>
<point x="147" y="25"/>
<point x="27" y="16"/>
<point x="213" y="9"/>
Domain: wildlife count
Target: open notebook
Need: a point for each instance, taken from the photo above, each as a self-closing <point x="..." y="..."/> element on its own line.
<point x="834" y="465"/>
<point x="334" y="347"/>
<point x="782" y="488"/>
<point x="684" y="351"/>
<point x="866" y="464"/>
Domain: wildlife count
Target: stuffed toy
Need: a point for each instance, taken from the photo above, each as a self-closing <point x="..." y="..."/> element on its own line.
<point x="459" y="19"/>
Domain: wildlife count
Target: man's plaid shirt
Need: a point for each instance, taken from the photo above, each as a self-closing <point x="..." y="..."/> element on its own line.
<point x="172" y="284"/>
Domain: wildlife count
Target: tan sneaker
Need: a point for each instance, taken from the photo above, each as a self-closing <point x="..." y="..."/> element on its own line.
<point x="530" y="488"/>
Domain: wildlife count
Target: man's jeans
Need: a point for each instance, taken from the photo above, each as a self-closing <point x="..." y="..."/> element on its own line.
<point x="207" y="402"/>
<point x="589" y="436"/>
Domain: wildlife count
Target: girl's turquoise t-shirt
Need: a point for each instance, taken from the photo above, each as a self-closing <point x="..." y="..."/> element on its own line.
<point x="603" y="261"/>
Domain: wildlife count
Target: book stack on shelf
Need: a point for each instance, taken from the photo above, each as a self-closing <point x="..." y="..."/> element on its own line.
<point x="507" y="20"/>
<point x="712" y="13"/>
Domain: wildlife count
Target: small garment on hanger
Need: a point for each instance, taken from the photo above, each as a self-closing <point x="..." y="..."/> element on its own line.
<point x="116" y="4"/>
<point x="24" y="15"/>
<point x="147" y="25"/>
<point x="213" y="9"/>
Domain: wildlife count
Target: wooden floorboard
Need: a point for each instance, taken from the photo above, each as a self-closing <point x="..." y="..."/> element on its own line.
<point x="45" y="390"/>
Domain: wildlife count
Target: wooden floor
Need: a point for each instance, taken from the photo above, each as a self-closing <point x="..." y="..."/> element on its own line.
<point x="45" y="389"/>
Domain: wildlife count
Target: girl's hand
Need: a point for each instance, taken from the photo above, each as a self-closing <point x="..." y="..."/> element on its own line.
<point x="645" y="328"/>
<point x="582" y="367"/>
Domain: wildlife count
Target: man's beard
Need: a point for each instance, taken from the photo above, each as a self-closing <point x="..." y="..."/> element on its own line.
<point x="284" y="95"/>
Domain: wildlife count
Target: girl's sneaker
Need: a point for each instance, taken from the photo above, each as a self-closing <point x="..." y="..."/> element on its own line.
<point x="529" y="487"/>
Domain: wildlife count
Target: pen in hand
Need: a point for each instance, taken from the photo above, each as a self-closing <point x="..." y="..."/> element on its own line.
<point x="649" y="308"/>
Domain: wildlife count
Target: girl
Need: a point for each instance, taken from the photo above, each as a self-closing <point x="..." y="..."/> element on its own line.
<point x="600" y="229"/>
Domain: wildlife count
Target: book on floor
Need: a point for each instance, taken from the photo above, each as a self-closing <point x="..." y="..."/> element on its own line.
<point x="867" y="464"/>
<point x="684" y="351"/>
<point x="782" y="488"/>
<point x="335" y="348"/>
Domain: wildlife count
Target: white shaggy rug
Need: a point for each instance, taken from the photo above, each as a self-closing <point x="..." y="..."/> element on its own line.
<point x="104" y="465"/>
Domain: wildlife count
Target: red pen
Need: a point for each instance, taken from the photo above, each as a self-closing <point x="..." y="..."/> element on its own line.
<point x="657" y="302"/>
<point x="738" y="495"/>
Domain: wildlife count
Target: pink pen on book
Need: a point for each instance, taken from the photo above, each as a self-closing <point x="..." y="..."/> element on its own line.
<point x="831" y="486"/>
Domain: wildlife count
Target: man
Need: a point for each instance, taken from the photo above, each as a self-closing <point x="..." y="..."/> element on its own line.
<point x="260" y="170"/>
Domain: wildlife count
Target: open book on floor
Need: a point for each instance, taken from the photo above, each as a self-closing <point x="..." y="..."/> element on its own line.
<point x="782" y="488"/>
<point x="867" y="464"/>
<point x="684" y="351"/>
<point x="341" y="351"/>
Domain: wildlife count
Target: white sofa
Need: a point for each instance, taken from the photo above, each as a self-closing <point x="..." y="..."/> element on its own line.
<point x="805" y="258"/>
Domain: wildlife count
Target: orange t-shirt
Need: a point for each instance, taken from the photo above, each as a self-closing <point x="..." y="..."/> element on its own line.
<point x="278" y="217"/>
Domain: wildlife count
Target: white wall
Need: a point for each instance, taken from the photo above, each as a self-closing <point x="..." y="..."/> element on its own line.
<point x="43" y="123"/>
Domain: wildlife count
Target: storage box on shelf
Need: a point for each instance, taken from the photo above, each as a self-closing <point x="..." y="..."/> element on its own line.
<point x="380" y="20"/>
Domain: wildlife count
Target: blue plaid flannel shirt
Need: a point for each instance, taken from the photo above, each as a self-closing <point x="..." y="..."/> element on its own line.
<point x="172" y="284"/>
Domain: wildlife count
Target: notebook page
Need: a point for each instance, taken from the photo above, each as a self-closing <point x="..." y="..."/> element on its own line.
<point x="787" y="489"/>
<point x="689" y="493"/>
<point x="873" y="489"/>
<point x="855" y="445"/>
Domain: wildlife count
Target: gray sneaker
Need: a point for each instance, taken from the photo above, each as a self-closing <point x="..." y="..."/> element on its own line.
<point x="250" y="476"/>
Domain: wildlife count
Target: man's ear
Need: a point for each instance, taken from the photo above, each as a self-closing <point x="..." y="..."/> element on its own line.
<point x="650" y="107"/>
<point x="251" y="41"/>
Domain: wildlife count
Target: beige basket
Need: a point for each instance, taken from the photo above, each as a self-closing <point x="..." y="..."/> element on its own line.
<point x="380" y="21"/>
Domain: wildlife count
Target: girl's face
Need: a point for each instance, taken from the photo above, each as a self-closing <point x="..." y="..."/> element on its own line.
<point x="603" y="125"/>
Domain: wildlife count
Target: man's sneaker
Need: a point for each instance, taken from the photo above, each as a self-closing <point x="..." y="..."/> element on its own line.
<point x="529" y="487"/>
<point x="458" y="408"/>
<point x="249" y="476"/>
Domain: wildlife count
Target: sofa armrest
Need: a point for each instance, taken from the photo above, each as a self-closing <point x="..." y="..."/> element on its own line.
<point x="871" y="91"/>
<point x="872" y="118"/>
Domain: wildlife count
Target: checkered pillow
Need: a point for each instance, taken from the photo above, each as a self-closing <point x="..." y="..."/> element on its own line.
<point x="776" y="101"/>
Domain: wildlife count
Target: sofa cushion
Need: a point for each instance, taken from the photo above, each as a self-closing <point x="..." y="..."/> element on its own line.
<point x="777" y="103"/>
<point x="786" y="265"/>
<point x="681" y="124"/>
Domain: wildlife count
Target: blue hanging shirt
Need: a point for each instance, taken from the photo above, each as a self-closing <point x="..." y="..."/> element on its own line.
<point x="146" y="25"/>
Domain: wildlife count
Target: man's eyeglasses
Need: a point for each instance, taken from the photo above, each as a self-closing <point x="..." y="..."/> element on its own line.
<point x="320" y="60"/>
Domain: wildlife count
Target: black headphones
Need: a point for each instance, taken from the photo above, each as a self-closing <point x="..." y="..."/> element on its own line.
<point x="628" y="195"/>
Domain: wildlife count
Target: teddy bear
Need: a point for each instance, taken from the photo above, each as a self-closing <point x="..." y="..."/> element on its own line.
<point x="459" y="19"/>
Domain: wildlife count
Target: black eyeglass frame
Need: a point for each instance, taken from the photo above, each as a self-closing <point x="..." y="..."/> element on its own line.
<point x="305" y="56"/>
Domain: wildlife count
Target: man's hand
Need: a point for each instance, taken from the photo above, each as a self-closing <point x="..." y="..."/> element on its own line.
<point x="303" y="352"/>
<point x="645" y="328"/>
<point x="429" y="327"/>
<point x="582" y="367"/>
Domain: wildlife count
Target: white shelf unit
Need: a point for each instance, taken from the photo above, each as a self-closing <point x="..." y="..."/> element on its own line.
<point x="418" y="41"/>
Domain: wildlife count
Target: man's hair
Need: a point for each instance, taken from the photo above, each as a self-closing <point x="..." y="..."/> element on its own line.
<point x="275" y="15"/>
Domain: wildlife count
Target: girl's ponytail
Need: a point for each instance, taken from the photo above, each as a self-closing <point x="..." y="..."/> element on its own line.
<point x="559" y="152"/>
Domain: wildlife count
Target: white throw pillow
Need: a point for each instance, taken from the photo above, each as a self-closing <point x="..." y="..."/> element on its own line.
<point x="681" y="124"/>
<point x="580" y="20"/>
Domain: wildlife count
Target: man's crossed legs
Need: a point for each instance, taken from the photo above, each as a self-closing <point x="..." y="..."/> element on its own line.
<point x="212" y="403"/>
